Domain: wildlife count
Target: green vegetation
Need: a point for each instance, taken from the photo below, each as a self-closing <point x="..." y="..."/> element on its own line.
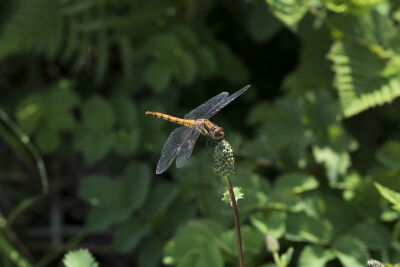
<point x="316" y="137"/>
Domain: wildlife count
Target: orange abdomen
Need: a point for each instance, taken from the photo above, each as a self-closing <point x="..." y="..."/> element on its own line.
<point x="187" y="123"/>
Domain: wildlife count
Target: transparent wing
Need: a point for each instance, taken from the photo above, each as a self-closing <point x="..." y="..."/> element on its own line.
<point x="223" y="102"/>
<point x="187" y="149"/>
<point x="200" y="111"/>
<point x="171" y="148"/>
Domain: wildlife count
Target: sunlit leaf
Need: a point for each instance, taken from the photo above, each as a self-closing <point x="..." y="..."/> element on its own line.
<point x="350" y="251"/>
<point x="273" y="222"/>
<point x="359" y="79"/>
<point x="335" y="163"/>
<point x="297" y="182"/>
<point x="289" y="11"/>
<point x="79" y="258"/>
<point x="390" y="195"/>
<point x="315" y="256"/>
<point x="304" y="228"/>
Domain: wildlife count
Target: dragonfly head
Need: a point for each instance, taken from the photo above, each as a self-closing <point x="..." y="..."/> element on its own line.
<point x="218" y="133"/>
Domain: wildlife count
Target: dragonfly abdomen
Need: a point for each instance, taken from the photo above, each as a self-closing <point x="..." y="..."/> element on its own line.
<point x="184" y="122"/>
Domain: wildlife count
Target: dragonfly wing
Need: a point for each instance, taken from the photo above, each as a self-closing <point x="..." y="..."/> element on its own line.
<point x="201" y="111"/>
<point x="171" y="148"/>
<point x="221" y="104"/>
<point x="187" y="148"/>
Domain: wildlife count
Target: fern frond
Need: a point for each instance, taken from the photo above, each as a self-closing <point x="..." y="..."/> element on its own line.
<point x="34" y="26"/>
<point x="289" y="12"/>
<point x="360" y="79"/>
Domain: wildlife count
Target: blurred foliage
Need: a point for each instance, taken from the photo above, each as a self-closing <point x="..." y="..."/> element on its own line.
<point x="316" y="136"/>
<point x="79" y="258"/>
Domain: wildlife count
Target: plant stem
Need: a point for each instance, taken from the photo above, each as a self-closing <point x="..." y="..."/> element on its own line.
<point x="277" y="259"/>
<point x="31" y="148"/>
<point x="237" y="222"/>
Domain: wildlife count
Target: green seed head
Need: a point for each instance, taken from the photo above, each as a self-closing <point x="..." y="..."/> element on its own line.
<point x="271" y="243"/>
<point x="224" y="161"/>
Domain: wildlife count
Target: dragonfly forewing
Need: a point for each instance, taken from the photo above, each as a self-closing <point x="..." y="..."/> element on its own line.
<point x="171" y="148"/>
<point x="201" y="110"/>
<point x="223" y="102"/>
<point x="187" y="148"/>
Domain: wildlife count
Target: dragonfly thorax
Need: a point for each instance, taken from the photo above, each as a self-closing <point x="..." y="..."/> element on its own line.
<point x="208" y="128"/>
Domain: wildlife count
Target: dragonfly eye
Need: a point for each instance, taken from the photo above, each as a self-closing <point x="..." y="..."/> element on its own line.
<point x="218" y="133"/>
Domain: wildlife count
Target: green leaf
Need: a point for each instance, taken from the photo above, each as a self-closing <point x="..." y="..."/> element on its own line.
<point x="158" y="75"/>
<point x="47" y="141"/>
<point x="135" y="184"/>
<point x="284" y="132"/>
<point x="98" y="190"/>
<point x="164" y="46"/>
<point x="62" y="97"/>
<point x="301" y="227"/>
<point x="350" y="251"/>
<point x="273" y="222"/>
<point x="94" y="145"/>
<point x="359" y="78"/>
<point x="128" y="235"/>
<point x="253" y="242"/>
<point x="125" y="111"/>
<point x="187" y="71"/>
<point x="102" y="217"/>
<point x="389" y="154"/>
<point x="97" y="114"/>
<point x="30" y="112"/>
<point x="314" y="70"/>
<point x="336" y="164"/>
<point x="374" y="236"/>
<point x="390" y="195"/>
<point x="127" y="142"/>
<point x="190" y="241"/>
<point x="230" y="66"/>
<point x="287" y="256"/>
<point x="298" y="182"/>
<point x="315" y="256"/>
<point x="79" y="258"/>
<point x="289" y="12"/>
<point x="236" y="191"/>
<point x="48" y="113"/>
<point x="150" y="252"/>
<point x="356" y="7"/>
<point x="210" y="255"/>
<point x="161" y="198"/>
<point x="262" y="25"/>
<point x="206" y="60"/>
<point x="370" y="28"/>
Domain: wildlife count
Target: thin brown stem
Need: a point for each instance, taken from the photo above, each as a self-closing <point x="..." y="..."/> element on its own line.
<point x="237" y="222"/>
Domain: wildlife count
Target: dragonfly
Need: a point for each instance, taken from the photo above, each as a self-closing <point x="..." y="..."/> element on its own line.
<point x="181" y="141"/>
